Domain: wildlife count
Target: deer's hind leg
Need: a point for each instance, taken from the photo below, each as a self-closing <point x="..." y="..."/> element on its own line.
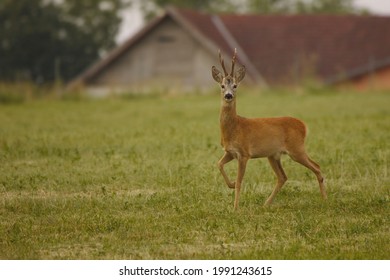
<point x="304" y="159"/>
<point x="276" y="165"/>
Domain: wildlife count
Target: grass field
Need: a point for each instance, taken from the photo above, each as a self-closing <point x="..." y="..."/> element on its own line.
<point x="136" y="178"/>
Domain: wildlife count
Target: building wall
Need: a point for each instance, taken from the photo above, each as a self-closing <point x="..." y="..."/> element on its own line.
<point x="167" y="57"/>
<point x="379" y="80"/>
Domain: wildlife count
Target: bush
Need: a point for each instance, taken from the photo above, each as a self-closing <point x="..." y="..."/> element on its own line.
<point x="10" y="94"/>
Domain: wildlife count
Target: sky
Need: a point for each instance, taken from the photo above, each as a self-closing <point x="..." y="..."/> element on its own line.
<point x="381" y="7"/>
<point x="132" y="18"/>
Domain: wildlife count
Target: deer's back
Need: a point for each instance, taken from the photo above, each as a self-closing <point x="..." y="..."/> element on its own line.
<point x="263" y="137"/>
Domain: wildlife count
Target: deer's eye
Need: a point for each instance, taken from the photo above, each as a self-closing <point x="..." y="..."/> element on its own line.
<point x="222" y="86"/>
<point x="234" y="86"/>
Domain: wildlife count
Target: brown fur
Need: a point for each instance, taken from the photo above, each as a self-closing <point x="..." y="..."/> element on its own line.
<point x="244" y="138"/>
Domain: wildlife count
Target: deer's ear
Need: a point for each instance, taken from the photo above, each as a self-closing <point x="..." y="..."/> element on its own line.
<point x="217" y="75"/>
<point x="240" y="74"/>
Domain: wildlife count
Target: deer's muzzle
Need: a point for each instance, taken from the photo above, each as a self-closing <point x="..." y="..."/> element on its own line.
<point x="228" y="96"/>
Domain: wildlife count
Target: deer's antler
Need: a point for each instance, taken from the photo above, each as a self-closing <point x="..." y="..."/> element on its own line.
<point x="222" y="63"/>
<point x="233" y="61"/>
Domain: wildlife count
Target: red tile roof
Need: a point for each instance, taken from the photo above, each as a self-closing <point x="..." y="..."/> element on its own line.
<point x="283" y="47"/>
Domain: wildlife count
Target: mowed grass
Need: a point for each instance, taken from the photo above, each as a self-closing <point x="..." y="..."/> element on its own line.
<point x="137" y="179"/>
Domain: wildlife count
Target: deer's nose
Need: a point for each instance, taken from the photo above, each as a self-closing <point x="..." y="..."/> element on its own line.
<point x="228" y="96"/>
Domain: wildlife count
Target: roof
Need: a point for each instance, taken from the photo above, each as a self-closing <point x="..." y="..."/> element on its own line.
<point x="279" y="48"/>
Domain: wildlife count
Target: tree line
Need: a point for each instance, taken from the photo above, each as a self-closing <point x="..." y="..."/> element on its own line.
<point x="47" y="40"/>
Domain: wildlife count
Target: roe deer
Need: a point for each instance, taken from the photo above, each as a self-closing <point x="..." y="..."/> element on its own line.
<point x="243" y="138"/>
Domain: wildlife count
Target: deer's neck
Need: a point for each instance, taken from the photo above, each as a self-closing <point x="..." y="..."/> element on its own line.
<point x="228" y="120"/>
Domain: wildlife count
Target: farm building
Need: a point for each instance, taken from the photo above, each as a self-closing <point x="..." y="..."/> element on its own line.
<point x="178" y="49"/>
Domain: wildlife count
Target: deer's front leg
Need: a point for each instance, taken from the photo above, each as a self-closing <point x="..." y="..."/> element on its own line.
<point x="240" y="175"/>
<point x="225" y="159"/>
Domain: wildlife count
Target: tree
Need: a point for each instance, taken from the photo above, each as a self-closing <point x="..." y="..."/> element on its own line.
<point x="150" y="7"/>
<point x="43" y="40"/>
<point x="302" y="6"/>
<point x="326" y="6"/>
<point x="269" y="6"/>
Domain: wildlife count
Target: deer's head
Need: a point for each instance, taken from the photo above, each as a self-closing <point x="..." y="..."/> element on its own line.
<point x="228" y="82"/>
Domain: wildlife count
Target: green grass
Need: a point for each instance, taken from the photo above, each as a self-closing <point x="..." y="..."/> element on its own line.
<point x="137" y="179"/>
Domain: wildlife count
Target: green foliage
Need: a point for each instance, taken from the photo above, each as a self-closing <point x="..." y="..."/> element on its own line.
<point x="269" y="6"/>
<point x="18" y="93"/>
<point x="326" y="6"/>
<point x="149" y="7"/>
<point x="42" y="41"/>
<point x="137" y="179"/>
<point x="8" y="96"/>
<point x="303" y="6"/>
